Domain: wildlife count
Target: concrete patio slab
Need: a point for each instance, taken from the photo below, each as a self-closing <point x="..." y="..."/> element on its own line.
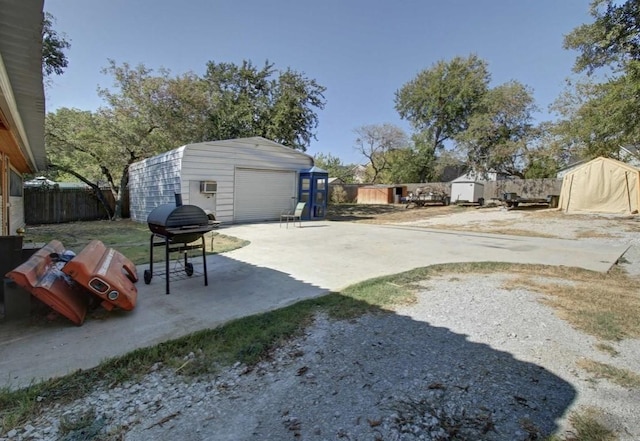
<point x="334" y="255"/>
<point x="279" y="267"/>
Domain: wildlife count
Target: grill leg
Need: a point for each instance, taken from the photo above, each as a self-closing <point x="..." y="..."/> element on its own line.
<point x="166" y="263"/>
<point x="204" y="262"/>
<point x="151" y="254"/>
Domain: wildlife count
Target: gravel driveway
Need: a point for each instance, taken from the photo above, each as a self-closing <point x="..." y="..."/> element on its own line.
<point x="468" y="359"/>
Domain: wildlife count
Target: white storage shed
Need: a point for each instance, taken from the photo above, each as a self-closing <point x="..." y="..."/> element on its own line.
<point x="239" y="180"/>
<point x="467" y="191"/>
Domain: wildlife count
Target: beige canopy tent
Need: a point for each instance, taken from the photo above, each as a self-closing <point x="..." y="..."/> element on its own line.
<point x="601" y="186"/>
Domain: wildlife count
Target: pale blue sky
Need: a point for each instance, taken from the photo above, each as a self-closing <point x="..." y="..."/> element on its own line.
<point x="362" y="51"/>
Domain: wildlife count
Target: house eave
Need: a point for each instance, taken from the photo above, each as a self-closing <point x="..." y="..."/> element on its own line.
<point x="22" y="101"/>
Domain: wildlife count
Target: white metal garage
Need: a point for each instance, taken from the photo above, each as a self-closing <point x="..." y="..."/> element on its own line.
<point x="240" y="180"/>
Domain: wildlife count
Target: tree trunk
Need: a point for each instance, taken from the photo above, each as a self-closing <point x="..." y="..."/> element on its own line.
<point x="124" y="181"/>
<point x="97" y="191"/>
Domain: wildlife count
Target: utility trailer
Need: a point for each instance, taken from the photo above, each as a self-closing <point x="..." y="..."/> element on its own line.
<point x="512" y="200"/>
<point x="423" y="196"/>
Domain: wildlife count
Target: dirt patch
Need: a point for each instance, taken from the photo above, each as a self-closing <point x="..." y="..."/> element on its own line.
<point x="529" y="221"/>
<point x="384" y="214"/>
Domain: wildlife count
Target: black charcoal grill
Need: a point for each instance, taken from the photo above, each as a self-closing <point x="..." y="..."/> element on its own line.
<point x="179" y="228"/>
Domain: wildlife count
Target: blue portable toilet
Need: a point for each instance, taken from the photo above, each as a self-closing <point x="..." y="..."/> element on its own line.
<point x="314" y="190"/>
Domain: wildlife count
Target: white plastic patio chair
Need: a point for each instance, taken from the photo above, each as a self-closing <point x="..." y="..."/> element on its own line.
<point x="293" y="215"/>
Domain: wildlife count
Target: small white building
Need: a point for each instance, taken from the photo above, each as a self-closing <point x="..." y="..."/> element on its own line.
<point x="467" y="191"/>
<point x="468" y="188"/>
<point x="239" y="180"/>
<point x="630" y="154"/>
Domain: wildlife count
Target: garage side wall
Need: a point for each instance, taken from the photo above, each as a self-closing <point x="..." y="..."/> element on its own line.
<point x="220" y="161"/>
<point x="154" y="181"/>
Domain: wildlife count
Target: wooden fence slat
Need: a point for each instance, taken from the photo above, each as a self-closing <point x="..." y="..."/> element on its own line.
<point x="527" y="188"/>
<point x="55" y="205"/>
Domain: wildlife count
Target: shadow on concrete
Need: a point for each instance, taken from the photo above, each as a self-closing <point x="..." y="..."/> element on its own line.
<point x="46" y="345"/>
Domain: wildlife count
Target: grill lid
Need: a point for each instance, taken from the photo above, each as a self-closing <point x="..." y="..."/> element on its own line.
<point x="179" y="223"/>
<point x="171" y="217"/>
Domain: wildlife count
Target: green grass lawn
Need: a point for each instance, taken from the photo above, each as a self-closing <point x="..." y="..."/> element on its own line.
<point x="126" y="236"/>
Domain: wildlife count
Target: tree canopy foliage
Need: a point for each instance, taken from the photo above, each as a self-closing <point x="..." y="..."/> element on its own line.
<point x="54" y="59"/>
<point x="377" y="143"/>
<point x="599" y="117"/>
<point x="440" y="100"/>
<point x="334" y="166"/>
<point x="248" y="101"/>
<point x="147" y="112"/>
<point x="451" y="106"/>
<point x="612" y="40"/>
<point x="500" y="132"/>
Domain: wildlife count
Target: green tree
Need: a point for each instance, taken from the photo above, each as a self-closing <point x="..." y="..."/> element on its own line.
<point x="584" y="128"/>
<point x="249" y="101"/>
<point x="404" y="166"/>
<point x="611" y="40"/>
<point x="54" y="45"/>
<point x="375" y="142"/>
<point x="451" y="105"/>
<point x="292" y="117"/>
<point x="596" y="118"/>
<point x="144" y="114"/>
<point x="440" y="100"/>
<point x="425" y="157"/>
<point x="541" y="166"/>
<point x="449" y="165"/>
<point x="239" y="98"/>
<point x="500" y="131"/>
<point x="548" y="154"/>
<point x="76" y="146"/>
<point x="334" y="166"/>
<point x="154" y="112"/>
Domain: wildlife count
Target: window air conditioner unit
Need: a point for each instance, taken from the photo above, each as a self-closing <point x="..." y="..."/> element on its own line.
<point x="208" y="186"/>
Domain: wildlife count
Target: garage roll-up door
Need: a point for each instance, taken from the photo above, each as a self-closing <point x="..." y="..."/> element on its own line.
<point x="263" y="194"/>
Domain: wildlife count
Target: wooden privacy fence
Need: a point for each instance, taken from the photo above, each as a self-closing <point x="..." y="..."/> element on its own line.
<point x="526" y="188"/>
<point x="55" y="205"/>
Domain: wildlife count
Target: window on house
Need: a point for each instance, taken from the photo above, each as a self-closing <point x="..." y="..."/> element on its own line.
<point x="15" y="184"/>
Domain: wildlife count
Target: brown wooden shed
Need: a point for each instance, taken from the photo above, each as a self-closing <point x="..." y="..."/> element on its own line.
<point x="381" y="194"/>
